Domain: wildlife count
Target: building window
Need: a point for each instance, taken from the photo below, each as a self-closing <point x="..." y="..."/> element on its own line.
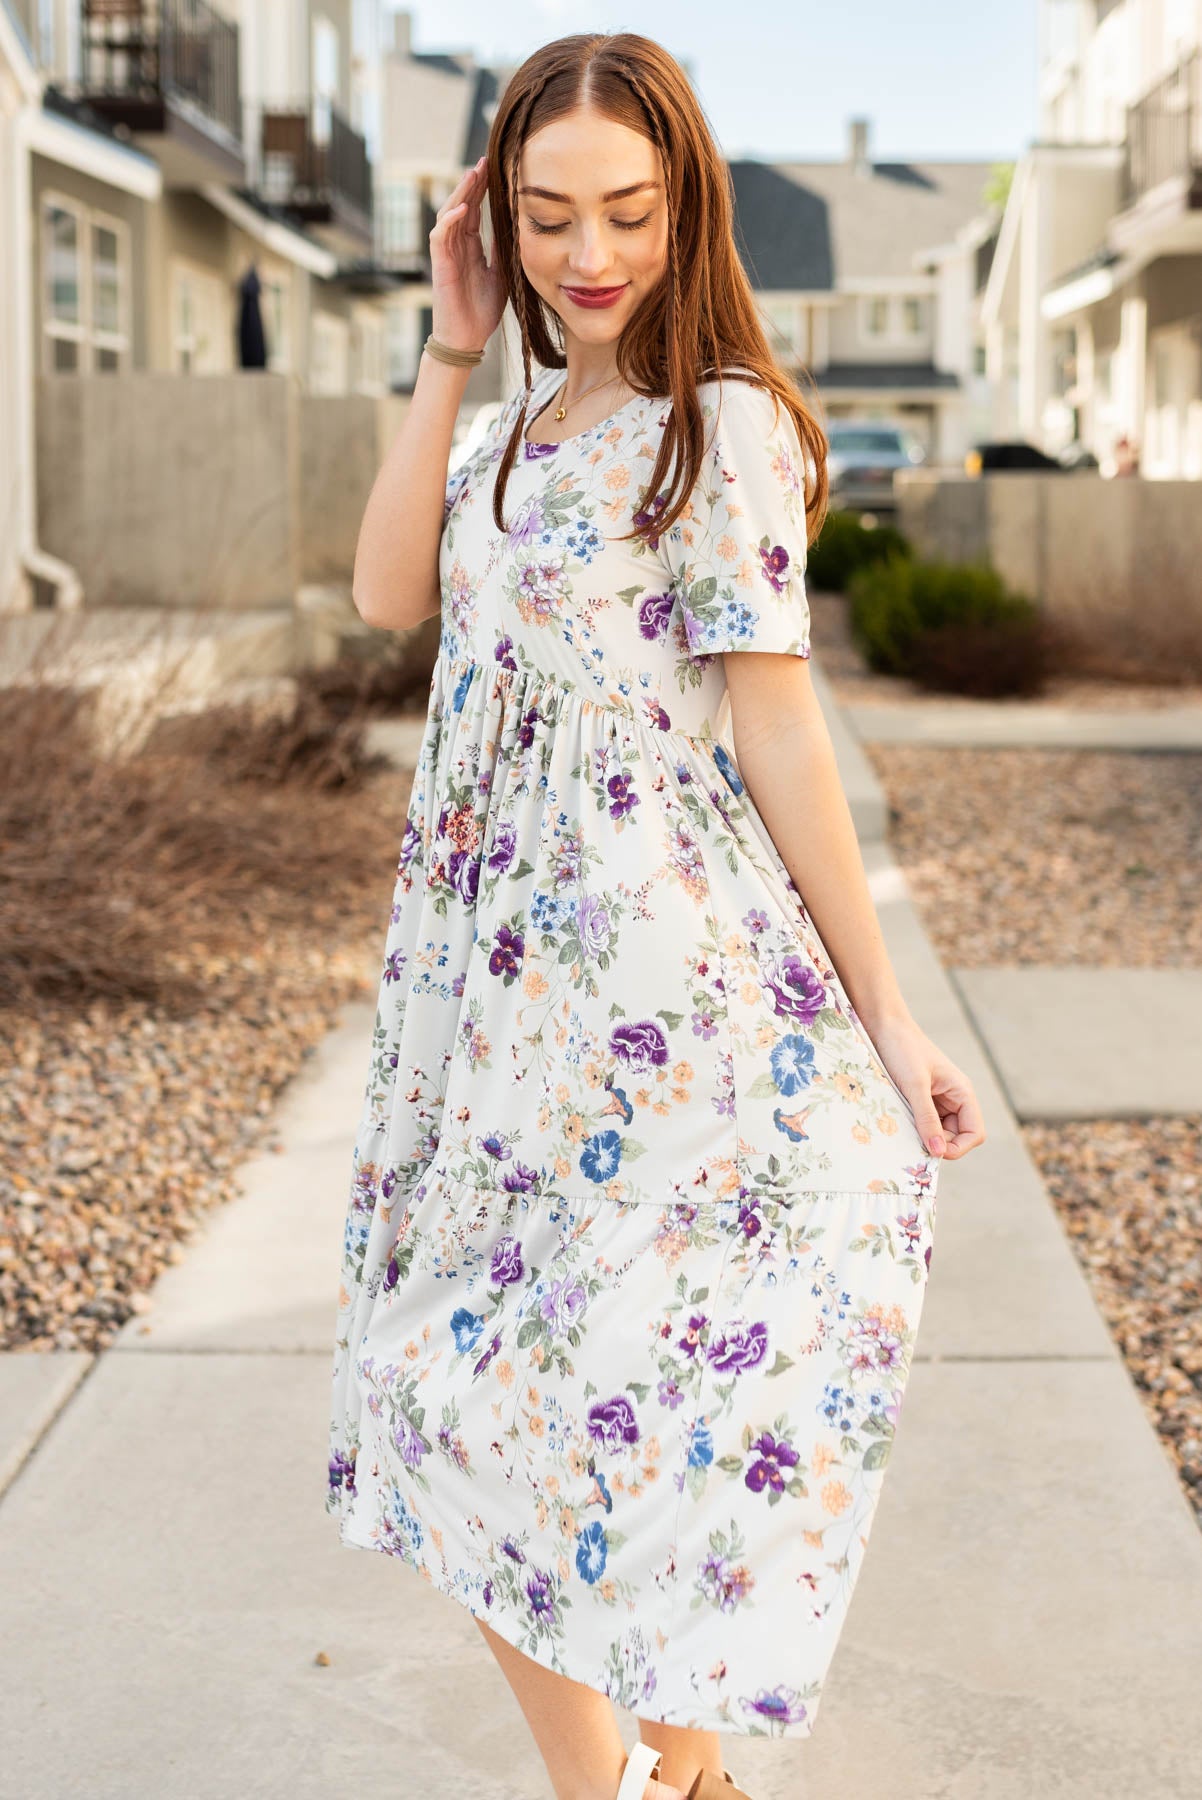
<point x="914" y="319"/>
<point x="86" y="289"/>
<point x="399" y="218"/>
<point x="783" y="321"/>
<point x="876" y="317"/>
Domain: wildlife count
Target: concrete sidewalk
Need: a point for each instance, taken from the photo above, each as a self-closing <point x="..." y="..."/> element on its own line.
<point x="1028" y="1623"/>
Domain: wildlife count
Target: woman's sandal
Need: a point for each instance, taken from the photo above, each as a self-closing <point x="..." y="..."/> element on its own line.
<point x="709" y="1787"/>
<point x="642" y="1766"/>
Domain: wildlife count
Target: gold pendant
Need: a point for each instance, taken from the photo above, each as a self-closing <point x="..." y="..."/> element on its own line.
<point x="561" y="412"/>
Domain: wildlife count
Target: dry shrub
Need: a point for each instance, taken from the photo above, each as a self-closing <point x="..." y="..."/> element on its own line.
<point x="984" y="659"/>
<point x="120" y="876"/>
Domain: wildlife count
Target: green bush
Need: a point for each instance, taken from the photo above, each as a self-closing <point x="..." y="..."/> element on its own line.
<point x="954" y="627"/>
<point x="845" y="545"/>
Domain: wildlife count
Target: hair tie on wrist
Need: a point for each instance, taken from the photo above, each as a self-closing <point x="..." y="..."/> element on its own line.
<point x="448" y="354"/>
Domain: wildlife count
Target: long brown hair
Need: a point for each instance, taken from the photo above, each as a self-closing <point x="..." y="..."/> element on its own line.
<point x="702" y="315"/>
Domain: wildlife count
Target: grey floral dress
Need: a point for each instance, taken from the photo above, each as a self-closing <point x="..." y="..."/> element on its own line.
<point x="639" y="1225"/>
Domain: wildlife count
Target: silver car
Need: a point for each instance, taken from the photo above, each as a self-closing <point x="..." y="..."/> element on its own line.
<point x="863" y="460"/>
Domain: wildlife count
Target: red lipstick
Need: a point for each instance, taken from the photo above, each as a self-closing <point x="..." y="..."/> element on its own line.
<point x="595" y="296"/>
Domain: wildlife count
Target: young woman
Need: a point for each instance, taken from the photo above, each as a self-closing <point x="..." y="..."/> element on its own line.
<point x="644" y="1188"/>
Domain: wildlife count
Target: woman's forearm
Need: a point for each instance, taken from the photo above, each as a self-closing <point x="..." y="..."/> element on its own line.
<point x="791" y="773"/>
<point x="395" y="583"/>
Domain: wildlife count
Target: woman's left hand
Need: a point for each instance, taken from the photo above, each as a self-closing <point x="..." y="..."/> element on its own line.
<point x="946" y="1109"/>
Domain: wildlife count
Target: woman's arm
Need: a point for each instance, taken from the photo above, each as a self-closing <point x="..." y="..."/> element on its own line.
<point x="786" y="758"/>
<point x="395" y="582"/>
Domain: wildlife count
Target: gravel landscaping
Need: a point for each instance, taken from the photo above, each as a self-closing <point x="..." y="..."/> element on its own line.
<point x="123" y="1122"/>
<point x="1095" y="858"/>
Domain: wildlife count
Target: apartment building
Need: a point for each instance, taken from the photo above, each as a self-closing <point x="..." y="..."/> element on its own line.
<point x="870" y="275"/>
<point x="1093" y="312"/>
<point x="244" y="107"/>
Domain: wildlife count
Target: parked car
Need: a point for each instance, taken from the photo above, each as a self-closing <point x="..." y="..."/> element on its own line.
<point x="1017" y="454"/>
<point x="862" y="461"/>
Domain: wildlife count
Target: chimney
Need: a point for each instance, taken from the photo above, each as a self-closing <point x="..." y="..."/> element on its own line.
<point x="857" y="146"/>
<point x="402" y="33"/>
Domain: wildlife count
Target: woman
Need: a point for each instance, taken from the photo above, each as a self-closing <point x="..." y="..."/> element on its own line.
<point x="641" y="1214"/>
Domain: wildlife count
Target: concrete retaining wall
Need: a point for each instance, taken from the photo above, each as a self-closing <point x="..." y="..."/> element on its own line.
<point x="226" y="491"/>
<point x="1118" y="562"/>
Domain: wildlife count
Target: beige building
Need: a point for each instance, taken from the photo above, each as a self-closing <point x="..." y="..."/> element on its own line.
<point x="155" y="153"/>
<point x="1093" y="312"/>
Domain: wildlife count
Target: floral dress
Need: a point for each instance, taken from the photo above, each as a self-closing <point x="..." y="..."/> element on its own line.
<point x="639" y="1225"/>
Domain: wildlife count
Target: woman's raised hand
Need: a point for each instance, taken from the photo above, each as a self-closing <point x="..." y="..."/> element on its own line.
<point x="468" y="299"/>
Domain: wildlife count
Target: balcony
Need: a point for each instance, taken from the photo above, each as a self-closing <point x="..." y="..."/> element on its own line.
<point x="1164" y="136"/>
<point x="316" y="165"/>
<point x="166" y="72"/>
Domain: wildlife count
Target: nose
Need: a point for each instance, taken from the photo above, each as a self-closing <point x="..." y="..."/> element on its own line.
<point x="591" y="257"/>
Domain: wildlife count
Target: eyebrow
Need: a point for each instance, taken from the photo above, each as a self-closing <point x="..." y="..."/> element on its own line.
<point x="635" y="187"/>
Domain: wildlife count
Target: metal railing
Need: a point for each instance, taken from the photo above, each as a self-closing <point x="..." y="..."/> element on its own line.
<point x="1164" y="131"/>
<point x="150" y="50"/>
<point x="311" y="153"/>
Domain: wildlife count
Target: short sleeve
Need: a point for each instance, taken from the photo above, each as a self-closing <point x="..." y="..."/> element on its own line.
<point x="481" y="455"/>
<point x="737" y="554"/>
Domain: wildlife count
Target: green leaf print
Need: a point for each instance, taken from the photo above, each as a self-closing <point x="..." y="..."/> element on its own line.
<point x="877" y="1455"/>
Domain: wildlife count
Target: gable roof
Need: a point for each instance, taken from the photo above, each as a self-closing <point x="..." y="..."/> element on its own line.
<point x="815" y="225"/>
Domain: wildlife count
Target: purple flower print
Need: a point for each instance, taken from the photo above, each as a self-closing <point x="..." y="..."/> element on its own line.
<point x="503" y="653"/>
<point x="783" y="1704"/>
<point x="654" y="614"/>
<point x="342" y="1473"/>
<point x="611" y="1423"/>
<point x="796" y="989"/>
<point x="563" y="1304"/>
<point x="756" y="919"/>
<point x="773" y="1457"/>
<point x="646" y="514"/>
<point x="704" y="1026"/>
<point x="640" y="1044"/>
<point x="487" y="1593"/>
<point x="593" y="924"/>
<point x="527" y="524"/>
<point x="519" y="1180"/>
<point x="392" y="1273"/>
<point x="533" y="450"/>
<point x="775" y="566"/>
<point x="724" y="1583"/>
<point x="512" y="1550"/>
<point x="394" y="964"/>
<point x="690" y="1343"/>
<point x="739" y="1347"/>
<point x="750" y="1222"/>
<point x="507" y="1265"/>
<point x="488" y="1355"/>
<point x="541" y="1597"/>
<point x="509" y="947"/>
<point x="504" y="843"/>
<point x="464" y="873"/>
<point x="670" y="1394"/>
<point x="530" y="718"/>
<point x="622" y="801"/>
<point x="408" y="1441"/>
<point x="411" y="843"/>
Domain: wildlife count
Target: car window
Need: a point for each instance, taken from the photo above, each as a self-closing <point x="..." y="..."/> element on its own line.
<point x="859" y="441"/>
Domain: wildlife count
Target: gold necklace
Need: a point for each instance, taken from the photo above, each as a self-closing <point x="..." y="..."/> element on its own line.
<point x="562" y="409"/>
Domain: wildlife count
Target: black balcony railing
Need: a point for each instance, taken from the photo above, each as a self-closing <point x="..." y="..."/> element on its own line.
<point x="1164" y="131"/>
<point x="313" y="160"/>
<point x="139" y="53"/>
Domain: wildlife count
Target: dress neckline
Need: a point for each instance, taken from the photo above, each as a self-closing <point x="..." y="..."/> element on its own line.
<point x="544" y="448"/>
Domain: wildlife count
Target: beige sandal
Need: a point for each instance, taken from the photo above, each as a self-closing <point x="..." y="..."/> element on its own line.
<point x="642" y="1766"/>
<point x="708" y="1787"/>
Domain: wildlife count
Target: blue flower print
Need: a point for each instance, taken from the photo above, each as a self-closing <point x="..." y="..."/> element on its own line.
<point x="729" y="773"/>
<point x="467" y="1327"/>
<point x="701" y="1446"/>
<point x="601" y="1155"/>
<point x="461" y="686"/>
<point x="792" y="1061"/>
<point x="591" y="1552"/>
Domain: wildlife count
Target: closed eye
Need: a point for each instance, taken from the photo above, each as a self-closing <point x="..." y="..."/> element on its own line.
<point x="622" y="225"/>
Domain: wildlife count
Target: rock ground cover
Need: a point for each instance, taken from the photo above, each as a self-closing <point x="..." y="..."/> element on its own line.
<point x="1093" y="858"/>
